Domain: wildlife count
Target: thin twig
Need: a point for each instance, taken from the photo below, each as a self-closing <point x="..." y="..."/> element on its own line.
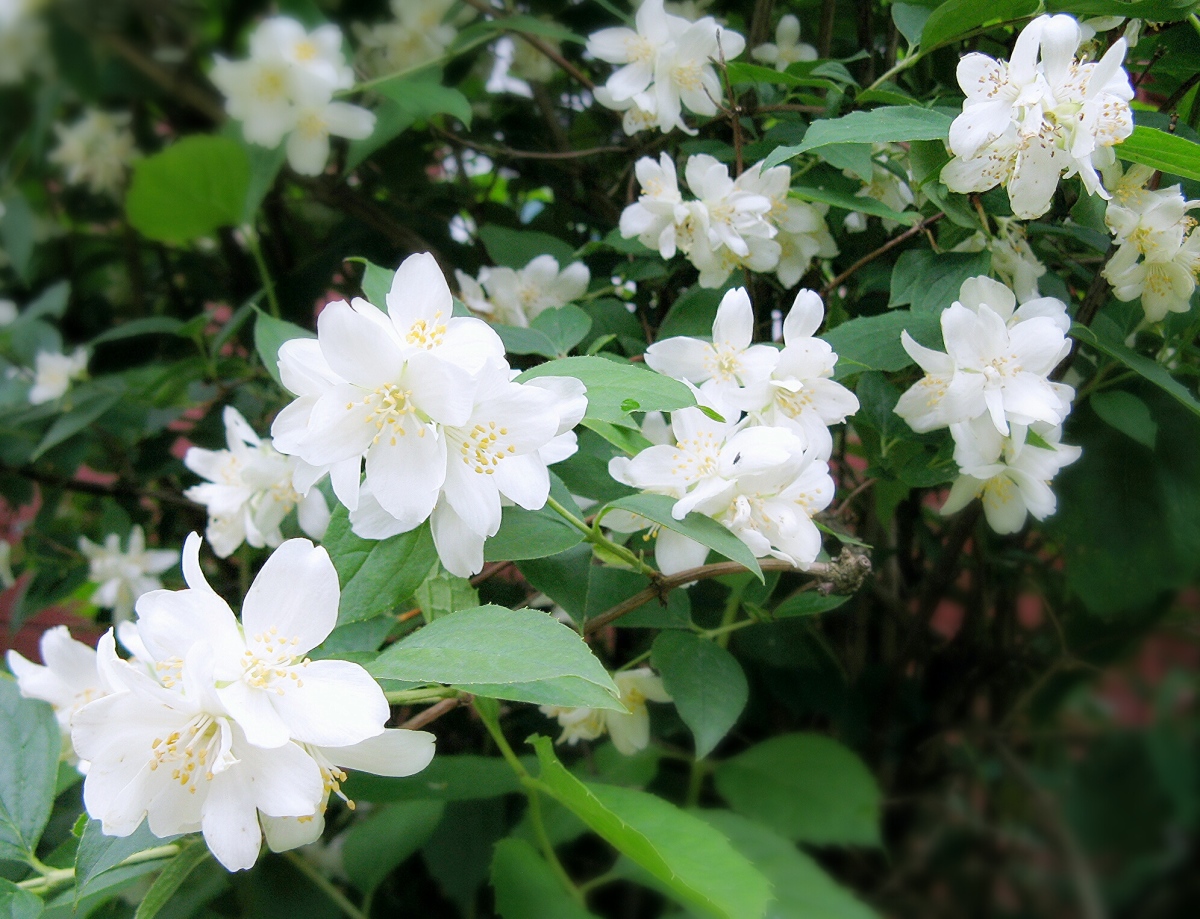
<point x="1176" y="97"/>
<point x="735" y="111"/>
<point x="433" y="713"/>
<point x="188" y="93"/>
<point x="1096" y="294"/>
<point x="886" y="247"/>
<point x="538" y="43"/>
<point x="499" y="150"/>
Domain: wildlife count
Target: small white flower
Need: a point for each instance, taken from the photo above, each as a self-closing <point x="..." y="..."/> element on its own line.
<point x="124" y="576"/>
<point x="652" y="218"/>
<point x="250" y="490"/>
<point x="318" y="119"/>
<point x="787" y="48"/>
<point x="885" y="186"/>
<point x="630" y="732"/>
<point x="997" y="362"/>
<point x="96" y="150"/>
<point x="53" y="373"/>
<point x="517" y="297"/>
<point x="1012" y="477"/>
<point x="418" y="34"/>
<point x="734" y="211"/>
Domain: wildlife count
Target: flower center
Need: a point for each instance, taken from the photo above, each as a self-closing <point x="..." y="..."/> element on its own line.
<point x="305" y="50"/>
<point x="272" y="658"/>
<point x="390" y="406"/>
<point x="686" y="76"/>
<point x="697" y="457"/>
<point x="638" y="49"/>
<point x="425" y="334"/>
<point x="188" y="751"/>
<point x="270" y="84"/>
<point x="311" y="126"/>
<point x="482" y="447"/>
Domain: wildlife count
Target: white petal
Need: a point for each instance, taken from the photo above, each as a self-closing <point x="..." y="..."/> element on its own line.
<point x="295" y="596"/>
<point x="395" y="752"/>
<point x="334" y="703"/>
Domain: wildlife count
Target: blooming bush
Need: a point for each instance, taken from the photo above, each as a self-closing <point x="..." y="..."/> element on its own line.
<point x="561" y="460"/>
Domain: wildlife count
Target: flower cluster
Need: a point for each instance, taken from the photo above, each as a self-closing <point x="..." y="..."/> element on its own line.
<point x="664" y="66"/>
<point x="763" y="475"/>
<point x="428" y="401"/>
<point x="124" y="575"/>
<point x="630" y="732"/>
<point x="517" y="296"/>
<point x="1041" y="115"/>
<point x="96" y="150"/>
<point x="249" y="490"/>
<point x="417" y="34"/>
<point x="747" y="222"/>
<point x="286" y="88"/>
<point x="219" y="726"/>
<point x="991" y="388"/>
<point x="1158" y="249"/>
<point x="53" y="373"/>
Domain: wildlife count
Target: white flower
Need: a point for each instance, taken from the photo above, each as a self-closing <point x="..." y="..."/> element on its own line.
<point x="630" y="731"/>
<point x="96" y="150"/>
<point x="1011" y="476"/>
<point x="667" y="60"/>
<point x="250" y="490"/>
<point x="124" y="576"/>
<point x="652" y="218"/>
<point x="516" y="297"/>
<point x="53" y="373"/>
<point x="417" y="35"/>
<point x="22" y="40"/>
<point x="799" y="392"/>
<point x="286" y="87"/>
<point x="377" y="385"/>
<point x="8" y="309"/>
<point x="805" y="237"/>
<point x="1028" y="122"/>
<point x="726" y="364"/>
<point x="997" y="362"/>
<point x="885" y="186"/>
<point x="639" y="113"/>
<point x="787" y="48"/>
<point x="734" y="211"/>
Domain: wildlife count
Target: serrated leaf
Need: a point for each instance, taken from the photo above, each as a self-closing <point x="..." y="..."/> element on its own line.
<point x="706" y="683"/>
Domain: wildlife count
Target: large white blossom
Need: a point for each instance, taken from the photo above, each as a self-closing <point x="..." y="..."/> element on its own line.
<point x="250" y="490"/>
<point x="124" y="575"/>
<point x="234" y="731"/>
<point x="96" y="150"/>
<point x="997" y="362"/>
<point x="53" y="373"/>
<point x="787" y="49"/>
<point x="285" y="89"/>
<point x="630" y="731"/>
<point x="664" y="65"/>
<point x="517" y="296"/>
<point x="1041" y="115"/>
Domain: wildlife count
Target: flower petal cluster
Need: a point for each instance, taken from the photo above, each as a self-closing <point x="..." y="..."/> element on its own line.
<point x="417" y="34"/>
<point x="249" y="490"/>
<point x="764" y="475"/>
<point x="747" y="222"/>
<point x="53" y="373"/>
<point x="787" y="49"/>
<point x="428" y="401"/>
<point x="518" y="296"/>
<point x="1041" y="115"/>
<point x="285" y="89"/>
<point x="991" y="388"/>
<point x="664" y="66"/>
<point x="124" y="575"/>
<point x="22" y="40"/>
<point x="630" y="732"/>
<point x="228" y="728"/>
<point x="96" y="150"/>
<point x="1158" y="248"/>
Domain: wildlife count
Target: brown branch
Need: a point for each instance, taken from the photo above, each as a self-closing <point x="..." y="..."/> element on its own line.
<point x="536" y="42"/>
<point x="499" y="150"/>
<point x="1097" y="293"/>
<point x="434" y="712"/>
<point x="825" y="35"/>
<point x="1176" y="97"/>
<point x="116" y="490"/>
<point x="886" y="247"/>
<point x="203" y="102"/>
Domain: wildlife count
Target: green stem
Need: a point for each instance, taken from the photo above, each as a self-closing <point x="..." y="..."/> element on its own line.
<point x="493" y="727"/>
<point x="414" y="696"/>
<point x="593" y="535"/>
<point x="54" y="877"/>
<point x="722" y="631"/>
<point x="264" y="274"/>
<point x="729" y="618"/>
<point x="695" y="782"/>
<point x="325" y="885"/>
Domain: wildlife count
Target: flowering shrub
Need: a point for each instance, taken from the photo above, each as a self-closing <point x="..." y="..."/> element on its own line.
<point x="648" y="464"/>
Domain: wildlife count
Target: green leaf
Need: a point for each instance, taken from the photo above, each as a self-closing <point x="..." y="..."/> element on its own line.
<point x="520" y="340"/>
<point x="1106" y="338"/>
<point x="377" y="576"/>
<point x="524" y="655"/>
<point x="422" y="99"/>
<point x="378" y="845"/>
<point x="687" y="856"/>
<point x="443" y="593"/>
<point x="704" y="530"/>
<point x="612" y="384"/>
<point x="16" y="903"/>
<point x="879" y="126"/>
<point x="805" y="786"/>
<point x="809" y="603"/>
<point x="17" y="234"/>
<point x="802" y="888"/>
<point x="957" y="18"/>
<point x="98" y="853"/>
<point x="527" y="887"/>
<point x="269" y="335"/>
<point x="1167" y="152"/>
<point x="1127" y="413"/>
<point x="29" y="746"/>
<point x="873" y="342"/>
<point x="517" y="248"/>
<point x="743" y="72"/>
<point x="861" y="204"/>
<point x="87" y="404"/>
<point x="910" y="19"/>
<point x="191" y="189"/>
<point x="855" y="158"/>
<point x="530" y="534"/>
<point x="706" y="683"/>
<point x="566" y="327"/>
<point x="50" y="303"/>
<point x="190" y="856"/>
<point x="930" y="281"/>
<point x="149" y="325"/>
<point x="454" y="777"/>
<point x="376" y="282"/>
